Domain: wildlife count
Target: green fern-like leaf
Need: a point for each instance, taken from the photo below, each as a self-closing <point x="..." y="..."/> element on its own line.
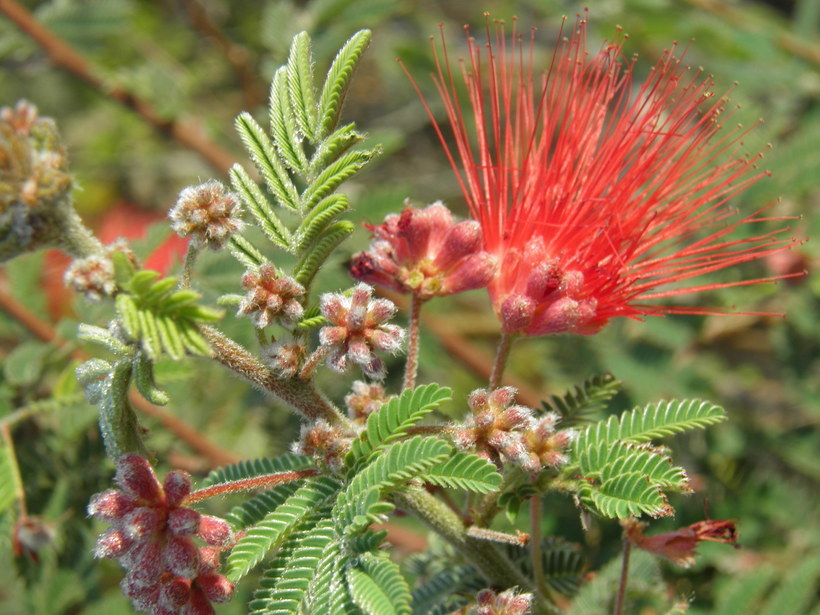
<point x="355" y="511"/>
<point x="626" y="495"/>
<point x="327" y="591"/>
<point x="464" y="471"/>
<point x="276" y="526"/>
<point x="260" y="208"/>
<point x="398" y="463"/>
<point x="293" y="583"/>
<point x="378" y="587"/>
<point x="332" y="147"/>
<point x="319" y="218"/>
<point x="338" y="80"/>
<point x="655" y="421"/>
<point x="265" y="158"/>
<point x="144" y="379"/>
<point x="161" y="319"/>
<point x="334" y="174"/>
<point x="658" y="469"/>
<point x="397" y="416"/>
<point x="255" y="509"/>
<point x="563" y="566"/>
<point x="316" y="255"/>
<point x="283" y="125"/>
<point x="440" y="589"/>
<point x="583" y="402"/>
<point x="299" y="78"/>
<point x="243" y="251"/>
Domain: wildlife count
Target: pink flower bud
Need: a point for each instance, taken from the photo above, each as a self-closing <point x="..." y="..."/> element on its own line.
<point x="517" y="312"/>
<point x="462" y="240"/>
<point x="111" y="505"/>
<point x="475" y="271"/>
<point x="215" y="531"/>
<point x="215" y="587"/>
<point x="182" y="557"/>
<point x="174" y="593"/>
<point x="113" y="544"/>
<point x="544" y="280"/>
<point x="478" y="400"/>
<point x="183" y="521"/>
<point x="501" y="398"/>
<point x="146" y="563"/>
<point x="142" y="522"/>
<point x="136" y="476"/>
<point x="199" y="605"/>
<point x="177" y="486"/>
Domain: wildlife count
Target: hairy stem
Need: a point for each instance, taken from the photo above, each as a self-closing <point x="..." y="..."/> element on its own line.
<point x="306" y="373"/>
<point x="412" y="365"/>
<point x="188" y="265"/>
<point x="265" y="481"/>
<point x="491" y="563"/>
<point x="75" y="237"/>
<point x="619" y="602"/>
<point x="301" y="395"/>
<point x="500" y="363"/>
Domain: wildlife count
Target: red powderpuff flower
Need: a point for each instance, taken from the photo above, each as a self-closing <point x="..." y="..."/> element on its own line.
<point x="592" y="190"/>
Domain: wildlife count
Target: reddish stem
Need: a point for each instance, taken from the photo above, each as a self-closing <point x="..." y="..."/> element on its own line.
<point x="412" y="365"/>
<point x="265" y="481"/>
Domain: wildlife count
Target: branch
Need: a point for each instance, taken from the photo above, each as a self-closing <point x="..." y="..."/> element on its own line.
<point x="62" y="55"/>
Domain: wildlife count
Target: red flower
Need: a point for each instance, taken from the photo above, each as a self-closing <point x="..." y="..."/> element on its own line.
<point x="594" y="191"/>
<point x="679" y="546"/>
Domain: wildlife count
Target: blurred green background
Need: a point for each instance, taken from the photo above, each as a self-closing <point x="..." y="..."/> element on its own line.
<point x="202" y="62"/>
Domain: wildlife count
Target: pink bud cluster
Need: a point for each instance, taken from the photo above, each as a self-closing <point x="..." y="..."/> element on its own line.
<point x="552" y="299"/>
<point x="271" y="297"/>
<point x="363" y="400"/>
<point x="498" y="429"/>
<point x="208" y="214"/>
<point x="324" y="442"/>
<point x="505" y="603"/>
<point x="425" y="252"/>
<point x="356" y="329"/>
<point x="152" y="538"/>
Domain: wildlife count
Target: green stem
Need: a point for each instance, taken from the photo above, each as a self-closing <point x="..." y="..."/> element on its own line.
<point x="188" y="266"/>
<point x="17" y="481"/>
<point x="414" y="338"/>
<point x="501" y="356"/>
<point x="74" y="237"/>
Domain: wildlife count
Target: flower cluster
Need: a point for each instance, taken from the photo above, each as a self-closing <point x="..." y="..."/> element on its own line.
<point x="285" y="358"/>
<point x="34" y="181"/>
<point x="364" y="399"/>
<point x="323" y="442"/>
<point x="152" y="537"/>
<point x="499" y="429"/>
<point x="356" y="329"/>
<point x="593" y="191"/>
<point x="505" y="603"/>
<point x="270" y="297"/>
<point x="206" y="213"/>
<point x="426" y="253"/>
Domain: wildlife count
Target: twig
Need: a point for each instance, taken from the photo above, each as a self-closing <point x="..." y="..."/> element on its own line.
<point x="235" y="54"/>
<point x="501" y="356"/>
<point x="185" y="432"/>
<point x="535" y="544"/>
<point x="265" y="481"/>
<point x="300" y="395"/>
<point x="619" y="603"/>
<point x="19" y="493"/>
<point x="66" y="57"/>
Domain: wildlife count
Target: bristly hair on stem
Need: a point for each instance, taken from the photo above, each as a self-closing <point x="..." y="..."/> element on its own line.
<point x="597" y="193"/>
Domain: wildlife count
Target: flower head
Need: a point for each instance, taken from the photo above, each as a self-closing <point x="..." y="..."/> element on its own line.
<point x="504" y="603"/>
<point x="207" y="213"/>
<point x="593" y="191"/>
<point x="425" y="252"/>
<point x="364" y="399"/>
<point x="356" y="329"/>
<point x="151" y="535"/>
<point x="270" y="297"/>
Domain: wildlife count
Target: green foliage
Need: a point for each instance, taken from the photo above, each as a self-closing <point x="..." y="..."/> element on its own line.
<point x="397" y="416"/>
<point x="163" y="320"/>
<point x="464" y="471"/>
<point x="621" y="474"/>
<point x="308" y="501"/>
<point x="303" y="161"/>
<point x="584" y="402"/>
<point x="437" y="591"/>
<point x="249" y="468"/>
<point x="377" y="586"/>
